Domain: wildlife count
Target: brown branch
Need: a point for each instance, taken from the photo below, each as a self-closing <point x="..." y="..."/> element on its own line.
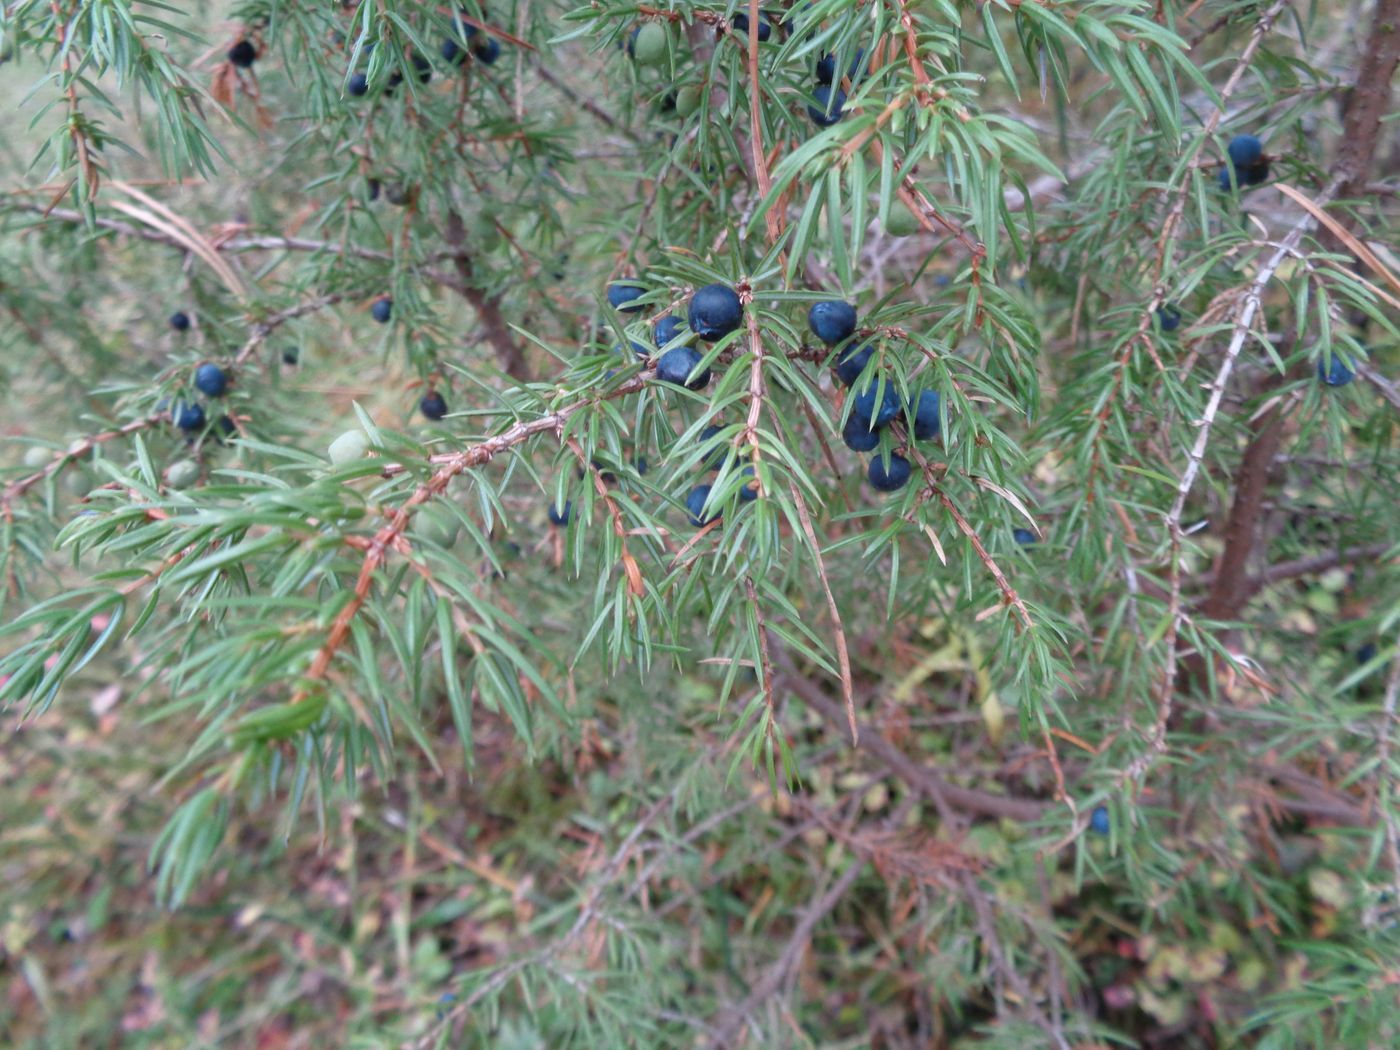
<point x="487" y="307"/>
<point x="945" y="796"/>
<point x="1231" y="587"/>
<point x="757" y="390"/>
<point x="772" y="217"/>
<point x="1288" y="570"/>
<point x="1368" y="103"/>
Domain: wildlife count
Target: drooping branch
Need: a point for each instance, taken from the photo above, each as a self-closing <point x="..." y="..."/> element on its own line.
<point x="390" y="536"/>
<point x="1368" y="106"/>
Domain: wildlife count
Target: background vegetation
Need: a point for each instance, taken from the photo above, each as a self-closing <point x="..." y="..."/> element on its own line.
<point x="367" y="752"/>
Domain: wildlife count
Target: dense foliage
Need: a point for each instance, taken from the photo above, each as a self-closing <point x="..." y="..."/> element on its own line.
<point x="469" y="582"/>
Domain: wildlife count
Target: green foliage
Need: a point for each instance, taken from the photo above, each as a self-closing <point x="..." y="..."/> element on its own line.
<point x="595" y="784"/>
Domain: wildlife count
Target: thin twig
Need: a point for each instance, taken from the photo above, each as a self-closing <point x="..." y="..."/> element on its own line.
<point x="843" y="656"/>
<point x="72" y="454"/>
<point x="449" y="466"/>
<point x="728" y="1027"/>
<point x="1244" y="322"/>
<point x="946" y="797"/>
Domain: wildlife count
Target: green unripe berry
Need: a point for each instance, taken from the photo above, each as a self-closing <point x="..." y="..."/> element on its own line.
<point x="688" y="99"/>
<point x="77" y="483"/>
<point x="37" y="457"/>
<point x="436" y="525"/>
<point x="901" y="222"/>
<point x="182" y="474"/>
<point x="649" y="46"/>
<point x="350" y="446"/>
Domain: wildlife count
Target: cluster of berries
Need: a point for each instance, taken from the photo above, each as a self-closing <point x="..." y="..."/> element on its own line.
<point x="714" y="312"/>
<point x="466" y="42"/>
<point x="829" y="96"/>
<point x="559" y="517"/>
<point x="649" y="43"/>
<point x="876" y="404"/>
<point x="211" y="381"/>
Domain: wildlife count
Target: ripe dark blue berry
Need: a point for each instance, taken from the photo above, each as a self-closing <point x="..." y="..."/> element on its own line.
<point x="641" y="464"/>
<point x="749" y="489"/>
<point x="622" y="296"/>
<point x="1169" y="317"/>
<point x="451" y="49"/>
<point x="382" y="310"/>
<point x="858" y="436"/>
<point x="668" y="328"/>
<point x="876" y="405"/>
<point x="243" y="54"/>
<point x="1337" y="373"/>
<point x="1366" y="653"/>
<point x="715" y="311"/>
<point x="357" y="85"/>
<point x="889" y="476"/>
<point x="189" y="418"/>
<point x="640" y="349"/>
<point x="832" y="321"/>
<point x="740" y="24"/>
<point x="826" y="67"/>
<point x="1025" y="537"/>
<point x="560" y="518"/>
<point x="927" y="413"/>
<point x="695" y="504"/>
<point x="291" y="356"/>
<point x="487" y="51"/>
<point x="674" y="366"/>
<point x="1246" y="160"/>
<point x="829" y="103"/>
<point x="180" y="321"/>
<point x="1098" y="820"/>
<point x="211" y="380"/>
<point x="433" y="405"/>
<point x="852" y="362"/>
<point x="225" y="429"/>
<point x="1245" y="151"/>
<point x="423" y="67"/>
